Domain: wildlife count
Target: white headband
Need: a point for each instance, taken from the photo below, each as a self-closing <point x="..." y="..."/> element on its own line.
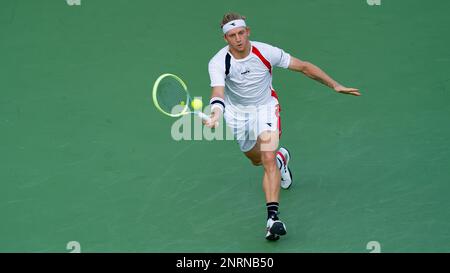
<point x="233" y="24"/>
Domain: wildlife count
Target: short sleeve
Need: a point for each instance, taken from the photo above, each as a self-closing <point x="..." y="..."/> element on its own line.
<point x="216" y="73"/>
<point x="278" y="57"/>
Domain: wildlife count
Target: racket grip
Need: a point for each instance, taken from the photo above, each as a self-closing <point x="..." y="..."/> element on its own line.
<point x="206" y="118"/>
<point x="203" y="116"/>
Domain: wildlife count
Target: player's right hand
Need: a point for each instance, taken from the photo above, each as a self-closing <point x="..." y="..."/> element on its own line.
<point x="213" y="121"/>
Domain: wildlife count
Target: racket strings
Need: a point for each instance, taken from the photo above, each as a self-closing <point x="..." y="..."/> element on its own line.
<point x="172" y="97"/>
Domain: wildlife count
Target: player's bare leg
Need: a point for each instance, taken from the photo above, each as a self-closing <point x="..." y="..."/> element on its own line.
<point x="255" y="154"/>
<point x="264" y="153"/>
<point x="282" y="160"/>
<point x="271" y="179"/>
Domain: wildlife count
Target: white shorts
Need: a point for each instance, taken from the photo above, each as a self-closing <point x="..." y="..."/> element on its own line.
<point x="248" y="123"/>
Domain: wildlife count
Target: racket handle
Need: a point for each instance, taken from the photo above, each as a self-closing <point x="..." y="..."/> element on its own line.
<point x="206" y="118"/>
<point x="203" y="116"/>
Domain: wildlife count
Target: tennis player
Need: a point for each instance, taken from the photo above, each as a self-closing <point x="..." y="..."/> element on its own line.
<point x="241" y="81"/>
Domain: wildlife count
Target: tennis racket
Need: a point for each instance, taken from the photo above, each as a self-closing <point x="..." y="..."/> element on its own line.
<point x="171" y="97"/>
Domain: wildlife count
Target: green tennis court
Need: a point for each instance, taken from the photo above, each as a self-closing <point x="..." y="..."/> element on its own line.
<point x="86" y="157"/>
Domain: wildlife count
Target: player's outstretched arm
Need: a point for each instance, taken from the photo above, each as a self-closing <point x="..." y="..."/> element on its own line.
<point x="317" y="74"/>
<point x="217" y="94"/>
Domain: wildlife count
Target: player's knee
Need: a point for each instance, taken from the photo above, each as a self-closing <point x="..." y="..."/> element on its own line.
<point x="268" y="160"/>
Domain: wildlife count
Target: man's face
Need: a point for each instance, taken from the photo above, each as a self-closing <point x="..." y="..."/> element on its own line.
<point x="238" y="38"/>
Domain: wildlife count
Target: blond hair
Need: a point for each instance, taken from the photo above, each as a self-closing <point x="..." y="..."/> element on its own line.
<point x="230" y="16"/>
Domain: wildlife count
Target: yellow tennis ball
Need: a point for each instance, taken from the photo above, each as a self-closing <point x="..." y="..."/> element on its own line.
<point x="197" y="104"/>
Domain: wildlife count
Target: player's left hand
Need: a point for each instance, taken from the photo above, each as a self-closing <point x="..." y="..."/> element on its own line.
<point x="346" y="90"/>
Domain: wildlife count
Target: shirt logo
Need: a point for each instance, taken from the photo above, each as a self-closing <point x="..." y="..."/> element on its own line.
<point x="245" y="72"/>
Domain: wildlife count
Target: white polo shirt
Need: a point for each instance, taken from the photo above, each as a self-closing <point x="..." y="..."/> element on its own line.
<point x="249" y="81"/>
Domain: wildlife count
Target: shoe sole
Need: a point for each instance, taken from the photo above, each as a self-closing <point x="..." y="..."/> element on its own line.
<point x="277" y="229"/>
<point x="290" y="173"/>
<point x="272" y="237"/>
<point x="288" y="154"/>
